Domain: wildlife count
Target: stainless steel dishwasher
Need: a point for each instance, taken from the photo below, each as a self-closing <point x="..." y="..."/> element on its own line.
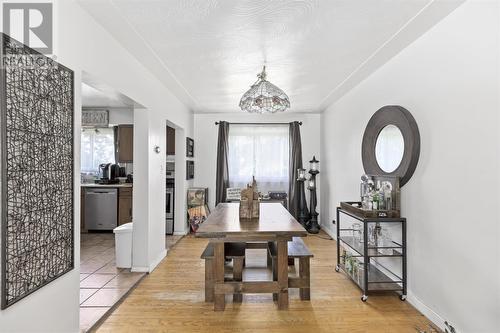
<point x="101" y="207"/>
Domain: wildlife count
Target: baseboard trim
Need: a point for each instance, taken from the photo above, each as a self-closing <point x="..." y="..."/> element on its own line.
<point x="430" y="314"/>
<point x="152" y="266"/>
<point x="425" y="310"/>
<point x="157" y="261"/>
<point x="180" y="233"/>
<point x="329" y="231"/>
<point x="140" y="269"/>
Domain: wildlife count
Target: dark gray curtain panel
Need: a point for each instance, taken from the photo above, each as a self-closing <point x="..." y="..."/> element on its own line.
<point x="222" y="180"/>
<point x="295" y="151"/>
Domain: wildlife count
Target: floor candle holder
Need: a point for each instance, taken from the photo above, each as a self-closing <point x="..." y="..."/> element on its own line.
<point x="313" y="226"/>
<point x="303" y="212"/>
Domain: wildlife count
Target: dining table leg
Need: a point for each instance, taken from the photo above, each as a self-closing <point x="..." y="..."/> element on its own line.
<point x="282" y="268"/>
<point x="218" y="266"/>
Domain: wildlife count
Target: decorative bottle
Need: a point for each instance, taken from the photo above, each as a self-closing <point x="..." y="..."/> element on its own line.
<point x="375" y="201"/>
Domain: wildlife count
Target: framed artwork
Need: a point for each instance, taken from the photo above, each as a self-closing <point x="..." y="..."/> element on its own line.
<point x="189" y="147"/>
<point x="37" y="224"/>
<point x="233" y="194"/>
<point x="189" y="170"/>
<point x="95" y="117"/>
<point x="197" y="196"/>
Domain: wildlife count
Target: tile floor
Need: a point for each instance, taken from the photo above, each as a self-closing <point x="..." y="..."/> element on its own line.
<point x="102" y="285"/>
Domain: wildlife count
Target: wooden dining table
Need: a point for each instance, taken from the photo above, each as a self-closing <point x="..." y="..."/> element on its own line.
<point x="275" y="224"/>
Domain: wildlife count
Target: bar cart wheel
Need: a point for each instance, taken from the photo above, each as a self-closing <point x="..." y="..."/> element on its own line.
<point x="337" y="268"/>
<point x="364" y="298"/>
<point x="402" y="297"/>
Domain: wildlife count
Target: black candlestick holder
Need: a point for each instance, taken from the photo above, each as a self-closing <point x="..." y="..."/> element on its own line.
<point x="313" y="226"/>
<point x="303" y="212"/>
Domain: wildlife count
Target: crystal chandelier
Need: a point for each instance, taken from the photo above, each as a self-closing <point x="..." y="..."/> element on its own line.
<point x="264" y="97"/>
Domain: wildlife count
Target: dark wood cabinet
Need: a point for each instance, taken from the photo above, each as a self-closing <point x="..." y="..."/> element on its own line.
<point x="125" y="143"/>
<point x="124" y="205"/>
<point x="170" y="141"/>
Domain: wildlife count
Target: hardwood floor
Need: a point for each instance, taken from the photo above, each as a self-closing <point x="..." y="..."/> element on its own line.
<point x="171" y="299"/>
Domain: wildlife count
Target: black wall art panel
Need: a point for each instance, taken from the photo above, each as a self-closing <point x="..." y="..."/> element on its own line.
<point x="37" y="244"/>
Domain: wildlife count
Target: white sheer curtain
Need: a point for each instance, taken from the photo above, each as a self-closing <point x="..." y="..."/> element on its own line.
<point x="260" y="151"/>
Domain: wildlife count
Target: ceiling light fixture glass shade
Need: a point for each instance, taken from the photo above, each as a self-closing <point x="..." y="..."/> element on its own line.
<point x="264" y="97"/>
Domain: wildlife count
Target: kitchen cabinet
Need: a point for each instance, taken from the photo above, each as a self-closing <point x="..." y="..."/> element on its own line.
<point x="170" y="141"/>
<point x="125" y="143"/>
<point x="124" y="205"/>
<point x="82" y="210"/>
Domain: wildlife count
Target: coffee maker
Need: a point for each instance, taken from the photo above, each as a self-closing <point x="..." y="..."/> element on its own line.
<point x="109" y="173"/>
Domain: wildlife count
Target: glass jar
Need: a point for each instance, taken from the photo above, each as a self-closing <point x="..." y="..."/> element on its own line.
<point x="361" y="275"/>
<point x="371" y="235"/>
<point x="381" y="201"/>
<point x="357" y="232"/>
<point x="386" y="241"/>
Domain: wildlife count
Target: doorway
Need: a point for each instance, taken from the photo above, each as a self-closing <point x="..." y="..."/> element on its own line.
<point x="106" y="200"/>
<point x="172" y="211"/>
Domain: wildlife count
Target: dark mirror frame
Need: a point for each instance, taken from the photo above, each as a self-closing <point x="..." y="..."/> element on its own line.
<point x="402" y="118"/>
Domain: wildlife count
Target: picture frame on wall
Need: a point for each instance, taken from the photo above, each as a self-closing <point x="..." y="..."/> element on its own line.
<point x="95" y="118"/>
<point x="233" y="194"/>
<point x="197" y="196"/>
<point x="189" y="170"/>
<point x="189" y="147"/>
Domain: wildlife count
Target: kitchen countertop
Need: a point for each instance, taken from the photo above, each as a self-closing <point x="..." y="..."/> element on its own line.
<point x="107" y="185"/>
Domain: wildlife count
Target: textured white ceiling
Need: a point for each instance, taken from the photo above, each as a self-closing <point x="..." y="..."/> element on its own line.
<point x="208" y="52"/>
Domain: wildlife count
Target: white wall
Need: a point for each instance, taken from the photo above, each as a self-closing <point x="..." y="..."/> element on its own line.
<point x="121" y="116"/>
<point x="83" y="45"/>
<point x="181" y="184"/>
<point x="205" y="145"/>
<point x="86" y="46"/>
<point x="449" y="80"/>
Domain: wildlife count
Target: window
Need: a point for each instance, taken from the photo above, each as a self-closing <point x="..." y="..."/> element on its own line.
<point x="260" y="151"/>
<point x="98" y="146"/>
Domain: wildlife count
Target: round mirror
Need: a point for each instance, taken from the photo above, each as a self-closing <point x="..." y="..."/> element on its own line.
<point x="391" y="143"/>
<point x="390" y="148"/>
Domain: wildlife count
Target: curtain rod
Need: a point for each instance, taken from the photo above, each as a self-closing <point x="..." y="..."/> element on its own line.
<point x="300" y="123"/>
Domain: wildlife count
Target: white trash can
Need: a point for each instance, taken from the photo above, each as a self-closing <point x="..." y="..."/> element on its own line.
<point x="123" y="245"/>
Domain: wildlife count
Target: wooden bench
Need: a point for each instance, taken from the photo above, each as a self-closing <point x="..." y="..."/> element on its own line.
<point x="234" y="251"/>
<point x="296" y="249"/>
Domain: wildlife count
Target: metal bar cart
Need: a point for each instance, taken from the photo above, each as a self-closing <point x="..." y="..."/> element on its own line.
<point x="363" y="267"/>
